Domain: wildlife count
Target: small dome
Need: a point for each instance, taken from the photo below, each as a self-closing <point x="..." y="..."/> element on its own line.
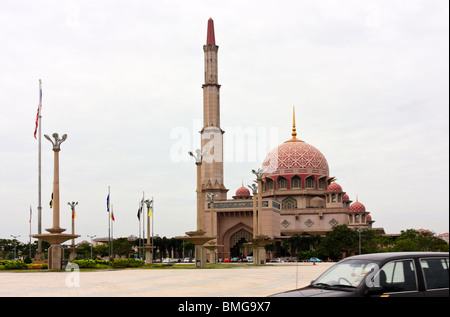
<point x="357" y="207"/>
<point x="345" y="197"/>
<point x="334" y="187"/>
<point x="242" y="191"/>
<point x="368" y="218"/>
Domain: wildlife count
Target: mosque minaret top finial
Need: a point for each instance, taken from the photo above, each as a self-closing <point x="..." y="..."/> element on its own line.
<point x="210" y="38"/>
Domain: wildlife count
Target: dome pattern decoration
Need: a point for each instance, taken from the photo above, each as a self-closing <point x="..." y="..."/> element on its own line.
<point x="295" y="157"/>
<point x="334" y="187"/>
<point x="357" y="207"/>
<point x="345" y="197"/>
<point x="242" y="191"/>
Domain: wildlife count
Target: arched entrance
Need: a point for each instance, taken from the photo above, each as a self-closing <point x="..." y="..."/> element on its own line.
<point x="237" y="241"/>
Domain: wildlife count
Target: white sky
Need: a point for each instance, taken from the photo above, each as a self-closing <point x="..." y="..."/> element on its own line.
<point x="369" y="81"/>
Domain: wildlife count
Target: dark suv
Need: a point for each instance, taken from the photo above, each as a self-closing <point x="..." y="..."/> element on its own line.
<point x="397" y="274"/>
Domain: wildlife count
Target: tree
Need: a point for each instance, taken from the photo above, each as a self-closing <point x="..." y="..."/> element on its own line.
<point x="413" y="240"/>
<point x="341" y="241"/>
<point x="122" y="247"/>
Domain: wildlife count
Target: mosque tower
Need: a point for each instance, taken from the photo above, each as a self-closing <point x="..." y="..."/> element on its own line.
<point x="211" y="133"/>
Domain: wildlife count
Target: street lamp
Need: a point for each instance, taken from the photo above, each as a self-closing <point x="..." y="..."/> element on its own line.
<point x="72" y="206"/>
<point x="91" y="242"/>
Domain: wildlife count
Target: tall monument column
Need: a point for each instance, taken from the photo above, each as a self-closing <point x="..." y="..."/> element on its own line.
<point x="55" y="236"/>
<point x="211" y="133"/>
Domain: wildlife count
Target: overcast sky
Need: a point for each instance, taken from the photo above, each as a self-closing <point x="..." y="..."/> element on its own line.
<point x="369" y="81"/>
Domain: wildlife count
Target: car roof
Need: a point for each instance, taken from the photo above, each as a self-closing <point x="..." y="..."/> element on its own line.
<point x="395" y="255"/>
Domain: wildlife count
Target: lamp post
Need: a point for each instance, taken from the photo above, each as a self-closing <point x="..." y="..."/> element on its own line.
<point x="72" y="207"/>
<point x="260" y="240"/>
<point x="254" y="189"/>
<point x="198" y="237"/>
<point x="148" y="246"/>
<point x="211" y="245"/>
<point x="198" y="161"/>
<point x="259" y="173"/>
<point x="92" y="243"/>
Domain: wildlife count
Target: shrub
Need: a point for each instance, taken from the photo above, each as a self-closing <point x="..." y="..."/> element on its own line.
<point x="127" y="263"/>
<point x="13" y="265"/>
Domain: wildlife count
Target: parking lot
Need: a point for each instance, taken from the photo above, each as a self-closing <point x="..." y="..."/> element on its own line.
<point x="242" y="281"/>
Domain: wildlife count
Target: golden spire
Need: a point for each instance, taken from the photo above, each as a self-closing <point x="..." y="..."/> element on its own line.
<point x="294" y="133"/>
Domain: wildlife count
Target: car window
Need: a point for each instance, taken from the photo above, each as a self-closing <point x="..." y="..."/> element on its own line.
<point x="435" y="271"/>
<point x="398" y="276"/>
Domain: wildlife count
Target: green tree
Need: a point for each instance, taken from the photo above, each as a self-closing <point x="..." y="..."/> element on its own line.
<point x="341" y="241"/>
<point x="122" y="247"/>
<point x="413" y="240"/>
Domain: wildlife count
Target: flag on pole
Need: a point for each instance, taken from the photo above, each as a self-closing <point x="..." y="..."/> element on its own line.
<point x="150" y="208"/>
<point x="30" y="214"/>
<point x="51" y="201"/>
<point x="139" y="213"/>
<point x="107" y="203"/>
<point x="73" y="214"/>
<point x="112" y="214"/>
<point x="39" y="107"/>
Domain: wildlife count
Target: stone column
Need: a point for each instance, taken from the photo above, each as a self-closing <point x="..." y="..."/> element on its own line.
<point x="55" y="236"/>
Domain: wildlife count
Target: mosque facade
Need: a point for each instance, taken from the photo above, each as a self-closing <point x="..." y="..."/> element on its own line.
<point x="298" y="194"/>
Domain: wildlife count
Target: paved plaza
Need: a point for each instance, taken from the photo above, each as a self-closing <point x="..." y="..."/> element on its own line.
<point x="248" y="281"/>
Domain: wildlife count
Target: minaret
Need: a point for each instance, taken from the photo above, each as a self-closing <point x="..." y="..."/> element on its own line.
<point x="211" y="133"/>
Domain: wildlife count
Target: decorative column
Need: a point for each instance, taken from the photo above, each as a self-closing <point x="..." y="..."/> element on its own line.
<point x="55" y="236"/>
<point x="198" y="237"/>
<point x="212" y="245"/>
<point x="72" y="207"/>
<point x="148" y="248"/>
<point x="260" y="240"/>
<point x="254" y="189"/>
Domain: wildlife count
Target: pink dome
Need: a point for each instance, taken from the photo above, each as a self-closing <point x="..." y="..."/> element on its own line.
<point x="345" y="197"/>
<point x="334" y="187"/>
<point x="357" y="207"/>
<point x="295" y="157"/>
<point x="242" y="192"/>
<point x="368" y="218"/>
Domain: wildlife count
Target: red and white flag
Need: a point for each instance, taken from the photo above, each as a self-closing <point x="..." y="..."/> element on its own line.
<point x="39" y="107"/>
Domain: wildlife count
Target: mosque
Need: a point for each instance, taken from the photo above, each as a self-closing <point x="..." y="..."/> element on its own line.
<point x="298" y="194"/>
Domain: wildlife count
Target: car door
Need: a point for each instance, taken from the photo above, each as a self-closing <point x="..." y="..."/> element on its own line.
<point x="399" y="279"/>
<point x="435" y="272"/>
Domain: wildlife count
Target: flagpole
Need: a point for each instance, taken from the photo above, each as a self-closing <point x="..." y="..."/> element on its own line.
<point x="143" y="225"/>
<point x="30" y="232"/>
<point x="112" y="230"/>
<point x="39" y="251"/>
<point x="109" y="230"/>
<point x="139" y="241"/>
<point x="153" y="218"/>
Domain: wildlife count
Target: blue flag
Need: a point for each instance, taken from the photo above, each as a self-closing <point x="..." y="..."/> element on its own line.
<point x="107" y="203"/>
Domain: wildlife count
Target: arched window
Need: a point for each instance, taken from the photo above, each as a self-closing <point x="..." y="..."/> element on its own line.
<point x="350" y="217"/>
<point x="289" y="203"/>
<point x="333" y="198"/>
<point x="270" y="184"/>
<point x="357" y="218"/>
<point x="321" y="183"/>
<point x="281" y="183"/>
<point x="309" y="182"/>
<point x="296" y="182"/>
